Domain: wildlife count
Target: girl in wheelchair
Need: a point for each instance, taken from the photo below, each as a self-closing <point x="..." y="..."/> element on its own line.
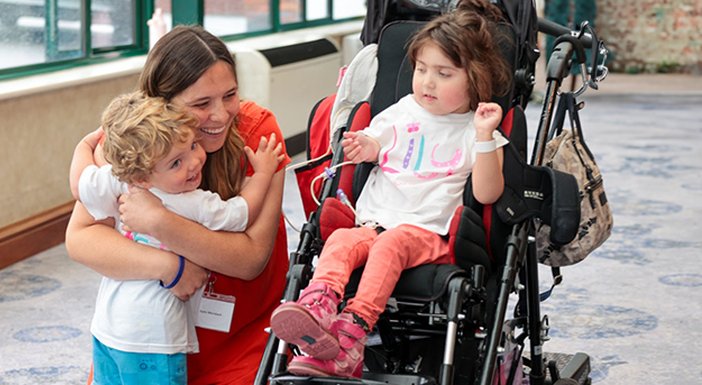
<point x="425" y="147"/>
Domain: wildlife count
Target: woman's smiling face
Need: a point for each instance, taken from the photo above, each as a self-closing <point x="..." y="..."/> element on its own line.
<point x="214" y="99"/>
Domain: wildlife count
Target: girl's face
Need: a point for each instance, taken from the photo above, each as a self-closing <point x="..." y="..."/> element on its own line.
<point x="181" y="170"/>
<point x="214" y="99"/>
<point x="437" y="84"/>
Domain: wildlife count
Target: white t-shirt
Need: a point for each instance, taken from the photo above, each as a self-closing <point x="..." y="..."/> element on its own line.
<point x="423" y="165"/>
<point x="139" y="315"/>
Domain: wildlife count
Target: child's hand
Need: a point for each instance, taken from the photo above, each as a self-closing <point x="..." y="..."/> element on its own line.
<point x="267" y="157"/>
<point x="487" y="117"/>
<point x="360" y="148"/>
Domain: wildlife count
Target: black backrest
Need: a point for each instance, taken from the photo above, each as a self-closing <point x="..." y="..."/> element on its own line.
<point x="394" y="77"/>
<point x="520" y="15"/>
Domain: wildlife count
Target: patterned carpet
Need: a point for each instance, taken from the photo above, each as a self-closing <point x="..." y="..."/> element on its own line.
<point x="634" y="305"/>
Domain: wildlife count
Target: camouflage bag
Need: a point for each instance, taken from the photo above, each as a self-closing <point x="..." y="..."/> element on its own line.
<point x="568" y="152"/>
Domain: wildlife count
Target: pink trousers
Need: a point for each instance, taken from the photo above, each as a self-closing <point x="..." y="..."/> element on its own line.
<point x="385" y="255"/>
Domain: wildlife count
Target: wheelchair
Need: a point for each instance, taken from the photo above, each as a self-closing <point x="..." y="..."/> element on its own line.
<point x="447" y="323"/>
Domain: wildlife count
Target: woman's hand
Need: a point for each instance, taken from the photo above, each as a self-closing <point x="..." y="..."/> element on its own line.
<point x="141" y="211"/>
<point x="99" y="155"/>
<point x="192" y="279"/>
<point x="84" y="155"/>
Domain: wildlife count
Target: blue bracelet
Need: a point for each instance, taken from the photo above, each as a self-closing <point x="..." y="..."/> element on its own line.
<point x="181" y="267"/>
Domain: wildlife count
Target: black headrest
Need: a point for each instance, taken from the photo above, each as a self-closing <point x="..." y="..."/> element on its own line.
<point x="394" y="77"/>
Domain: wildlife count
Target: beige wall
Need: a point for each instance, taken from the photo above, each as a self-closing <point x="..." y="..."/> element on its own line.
<point x="37" y="135"/>
<point x="38" y="131"/>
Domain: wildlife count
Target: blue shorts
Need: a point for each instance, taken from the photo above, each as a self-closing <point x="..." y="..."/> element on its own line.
<point x="113" y="366"/>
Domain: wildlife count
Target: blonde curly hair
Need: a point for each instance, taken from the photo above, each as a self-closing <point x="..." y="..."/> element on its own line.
<point x="140" y="131"/>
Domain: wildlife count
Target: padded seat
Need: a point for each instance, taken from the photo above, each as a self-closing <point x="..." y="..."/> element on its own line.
<point x="424" y="283"/>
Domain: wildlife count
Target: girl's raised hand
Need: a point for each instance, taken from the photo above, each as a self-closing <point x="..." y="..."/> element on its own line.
<point x="487" y="117"/>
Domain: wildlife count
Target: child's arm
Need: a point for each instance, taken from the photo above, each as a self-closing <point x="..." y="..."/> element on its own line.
<point x="82" y="158"/>
<point x="360" y="148"/>
<point x="265" y="163"/>
<point x="488" y="181"/>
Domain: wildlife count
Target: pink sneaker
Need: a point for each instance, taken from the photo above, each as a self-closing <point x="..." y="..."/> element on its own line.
<point x="307" y="322"/>
<point x="349" y="361"/>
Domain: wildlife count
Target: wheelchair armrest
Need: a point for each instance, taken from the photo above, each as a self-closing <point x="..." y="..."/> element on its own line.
<point x="334" y="215"/>
<point x="544" y="193"/>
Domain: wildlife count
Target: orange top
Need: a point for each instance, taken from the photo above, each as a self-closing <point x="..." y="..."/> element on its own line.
<point x="234" y="357"/>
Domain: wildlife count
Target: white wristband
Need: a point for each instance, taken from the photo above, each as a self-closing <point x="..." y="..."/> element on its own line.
<point x="483" y="147"/>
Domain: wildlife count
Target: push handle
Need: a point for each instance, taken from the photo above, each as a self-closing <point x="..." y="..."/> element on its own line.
<point x="554" y="29"/>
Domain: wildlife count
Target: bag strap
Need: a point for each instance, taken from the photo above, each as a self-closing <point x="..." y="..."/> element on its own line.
<point x="558" y="119"/>
<point x="577" y="128"/>
<point x="557" y="279"/>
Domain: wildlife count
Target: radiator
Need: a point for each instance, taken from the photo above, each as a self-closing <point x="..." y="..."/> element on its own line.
<point x="289" y="80"/>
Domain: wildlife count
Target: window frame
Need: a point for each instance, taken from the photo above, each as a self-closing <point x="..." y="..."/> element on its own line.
<point x="88" y="54"/>
<point x="184" y="12"/>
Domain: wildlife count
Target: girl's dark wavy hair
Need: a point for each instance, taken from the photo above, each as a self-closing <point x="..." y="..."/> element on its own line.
<point x="468" y="36"/>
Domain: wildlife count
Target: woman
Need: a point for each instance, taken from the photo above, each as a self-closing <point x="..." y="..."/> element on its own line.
<point x="193" y="68"/>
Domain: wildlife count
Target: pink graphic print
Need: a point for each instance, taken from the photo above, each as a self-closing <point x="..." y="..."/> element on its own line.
<point x="411" y="127"/>
<point x="451" y="164"/>
<point x="138" y="238"/>
<point x="384" y="156"/>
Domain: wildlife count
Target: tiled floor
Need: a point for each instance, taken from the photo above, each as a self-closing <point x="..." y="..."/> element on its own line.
<point x="634" y="306"/>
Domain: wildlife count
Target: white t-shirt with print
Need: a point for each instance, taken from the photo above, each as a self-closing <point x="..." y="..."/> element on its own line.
<point x="140" y="315"/>
<point x="423" y="165"/>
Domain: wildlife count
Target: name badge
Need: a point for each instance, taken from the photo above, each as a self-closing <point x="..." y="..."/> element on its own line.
<point x="215" y="311"/>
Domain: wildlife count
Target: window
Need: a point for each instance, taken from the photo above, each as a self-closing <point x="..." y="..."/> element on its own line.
<point x="316" y="9"/>
<point x="42" y="35"/>
<point x="290" y="11"/>
<point x="34" y="32"/>
<point x="344" y="9"/>
<point x="226" y="17"/>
